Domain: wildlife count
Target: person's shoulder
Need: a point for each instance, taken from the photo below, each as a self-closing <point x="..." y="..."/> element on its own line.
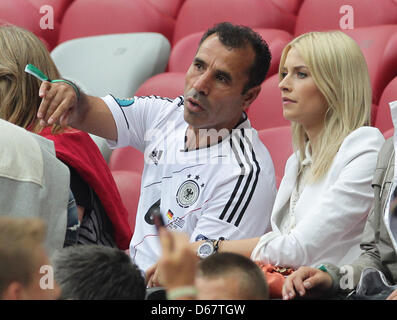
<point x="20" y="141"/>
<point x="161" y="100"/>
<point x="363" y="138"/>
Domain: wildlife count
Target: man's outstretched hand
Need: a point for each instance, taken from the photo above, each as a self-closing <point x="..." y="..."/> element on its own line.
<point x="58" y="104"/>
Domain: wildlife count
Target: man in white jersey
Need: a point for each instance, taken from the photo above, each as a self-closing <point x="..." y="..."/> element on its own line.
<point x="205" y="167"/>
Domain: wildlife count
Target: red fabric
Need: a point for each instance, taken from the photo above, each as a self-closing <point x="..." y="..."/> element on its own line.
<point x="275" y="277"/>
<point x="78" y="150"/>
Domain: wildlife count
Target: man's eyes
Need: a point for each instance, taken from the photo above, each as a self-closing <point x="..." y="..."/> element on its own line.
<point x="198" y="65"/>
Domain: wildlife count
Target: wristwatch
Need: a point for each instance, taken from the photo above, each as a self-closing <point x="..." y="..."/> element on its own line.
<point x="208" y="247"/>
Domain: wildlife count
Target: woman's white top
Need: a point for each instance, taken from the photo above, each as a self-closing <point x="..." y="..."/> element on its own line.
<point x="321" y="222"/>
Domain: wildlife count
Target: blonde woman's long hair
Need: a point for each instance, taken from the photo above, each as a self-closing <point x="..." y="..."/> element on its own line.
<point x="19" y="91"/>
<point x="340" y="72"/>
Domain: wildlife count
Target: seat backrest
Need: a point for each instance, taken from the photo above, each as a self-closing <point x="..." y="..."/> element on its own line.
<point x="320" y="15"/>
<point x="86" y="18"/>
<point x="129" y="186"/>
<point x="59" y="6"/>
<point x="126" y="158"/>
<point x="199" y="15"/>
<point x="279" y="143"/>
<point x="379" y="46"/>
<point x="167" y="84"/>
<point x="183" y="52"/>
<point x="291" y="6"/>
<point x="23" y="13"/>
<point x="169" y="7"/>
<point x="267" y="109"/>
<point x="383" y="119"/>
<point x="116" y="64"/>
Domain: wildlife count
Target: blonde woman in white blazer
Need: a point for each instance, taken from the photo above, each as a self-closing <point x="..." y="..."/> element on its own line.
<point x="326" y="194"/>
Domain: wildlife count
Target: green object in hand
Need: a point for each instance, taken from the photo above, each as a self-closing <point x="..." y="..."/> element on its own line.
<point x="36" y="72"/>
<point x="31" y="69"/>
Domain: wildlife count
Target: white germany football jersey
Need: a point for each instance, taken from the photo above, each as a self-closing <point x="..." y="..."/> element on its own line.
<point x="224" y="190"/>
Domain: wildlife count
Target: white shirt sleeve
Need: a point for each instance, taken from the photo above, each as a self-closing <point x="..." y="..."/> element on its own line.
<point x="134" y="118"/>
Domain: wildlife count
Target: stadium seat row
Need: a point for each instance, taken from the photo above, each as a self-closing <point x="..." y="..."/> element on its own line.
<point x="176" y="19"/>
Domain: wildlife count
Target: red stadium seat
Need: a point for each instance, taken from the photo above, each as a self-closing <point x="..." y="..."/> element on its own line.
<point x="168" y="7"/>
<point x="183" y="52"/>
<point x="291" y="6"/>
<point x="383" y="117"/>
<point x="267" y="110"/>
<point x="59" y="6"/>
<point x="199" y="15"/>
<point x="97" y="17"/>
<point x="279" y="143"/>
<point x="168" y="84"/>
<point x="126" y="158"/>
<point x="23" y="13"/>
<point x="129" y="186"/>
<point x="320" y="15"/>
<point x="379" y="46"/>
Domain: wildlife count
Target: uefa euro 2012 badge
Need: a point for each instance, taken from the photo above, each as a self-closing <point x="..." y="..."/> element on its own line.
<point x="189" y="191"/>
<point x="126" y="102"/>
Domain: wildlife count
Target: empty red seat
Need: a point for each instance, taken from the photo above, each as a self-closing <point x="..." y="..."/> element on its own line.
<point x="168" y="84"/>
<point x="129" y="186"/>
<point x="379" y="46"/>
<point x="59" y="6"/>
<point x="23" y="13"/>
<point x="97" y="17"/>
<point x="267" y="110"/>
<point x="183" y="52"/>
<point x="320" y="15"/>
<point x="199" y="15"/>
<point x="291" y="6"/>
<point x="168" y="7"/>
<point x="279" y="143"/>
<point x="383" y="117"/>
<point x="126" y="158"/>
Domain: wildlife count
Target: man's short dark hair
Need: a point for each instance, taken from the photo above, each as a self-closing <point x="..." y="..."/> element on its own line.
<point x="89" y="272"/>
<point x="253" y="284"/>
<point x="236" y="36"/>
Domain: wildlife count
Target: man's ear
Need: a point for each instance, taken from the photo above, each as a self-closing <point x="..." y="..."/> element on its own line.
<point x="13" y="291"/>
<point x="250" y="96"/>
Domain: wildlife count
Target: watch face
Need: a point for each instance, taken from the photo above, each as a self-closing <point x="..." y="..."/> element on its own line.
<point x="205" y="250"/>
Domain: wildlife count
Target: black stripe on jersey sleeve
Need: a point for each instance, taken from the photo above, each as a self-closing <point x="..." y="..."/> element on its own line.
<point x="226" y="208"/>
<point x="253" y="186"/>
<point x="247" y="182"/>
<point x="125" y="118"/>
<point x="156" y="97"/>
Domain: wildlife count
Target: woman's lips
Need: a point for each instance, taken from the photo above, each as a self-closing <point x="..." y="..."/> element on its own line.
<point x="287" y="101"/>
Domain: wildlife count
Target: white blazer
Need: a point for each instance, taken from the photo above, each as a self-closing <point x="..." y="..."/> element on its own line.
<point x="330" y="215"/>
